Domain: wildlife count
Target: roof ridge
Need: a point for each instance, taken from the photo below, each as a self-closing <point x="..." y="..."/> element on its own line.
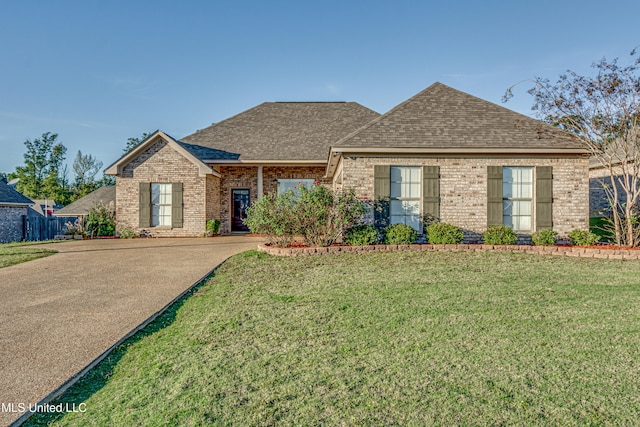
<point x="437" y="85"/>
<point x="381" y="116"/>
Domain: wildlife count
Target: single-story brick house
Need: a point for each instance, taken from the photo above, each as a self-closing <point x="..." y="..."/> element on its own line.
<point x="442" y="152"/>
<point x="13" y="211"/>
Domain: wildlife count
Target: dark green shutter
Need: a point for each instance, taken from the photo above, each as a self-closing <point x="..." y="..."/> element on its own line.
<point x="494" y="195"/>
<point x="544" y="197"/>
<point x="431" y="191"/>
<point x="176" y="205"/>
<point x="145" y="204"/>
<point x="381" y="194"/>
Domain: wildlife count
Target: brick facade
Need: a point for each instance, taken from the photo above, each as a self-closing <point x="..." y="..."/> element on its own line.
<point x="463" y="187"/>
<point x="161" y="163"/>
<point x="246" y="177"/>
<point x="11" y="223"/>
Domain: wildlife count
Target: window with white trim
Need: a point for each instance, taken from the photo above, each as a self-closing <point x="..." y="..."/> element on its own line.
<point x="294" y="184"/>
<point x="405" y="196"/>
<point x="160" y="204"/>
<point x="517" y="197"/>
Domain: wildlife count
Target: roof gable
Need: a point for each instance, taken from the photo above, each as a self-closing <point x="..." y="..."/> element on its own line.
<point x="10" y="196"/>
<point x="443" y="117"/>
<point x="280" y="131"/>
<point x="116" y="168"/>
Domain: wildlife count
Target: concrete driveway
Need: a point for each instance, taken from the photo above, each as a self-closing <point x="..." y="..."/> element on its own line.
<point x="59" y="313"/>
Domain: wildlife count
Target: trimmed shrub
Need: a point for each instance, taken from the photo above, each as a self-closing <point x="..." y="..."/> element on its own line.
<point x="274" y="216"/>
<point x="546" y="237"/>
<point x="499" y="235"/>
<point x="101" y="221"/>
<point x="583" y="238"/>
<point x="362" y="235"/>
<point x="442" y="233"/>
<point x="399" y="234"/>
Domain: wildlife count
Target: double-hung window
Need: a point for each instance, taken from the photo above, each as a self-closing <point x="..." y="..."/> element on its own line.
<point x="517" y="197"/>
<point x="160" y="204"/>
<point x="405" y="196"/>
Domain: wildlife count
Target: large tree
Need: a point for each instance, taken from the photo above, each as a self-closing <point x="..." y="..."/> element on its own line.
<point x="43" y="175"/>
<point x="603" y="111"/>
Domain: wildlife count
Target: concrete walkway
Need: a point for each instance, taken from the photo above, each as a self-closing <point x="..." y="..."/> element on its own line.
<point x="59" y="313"/>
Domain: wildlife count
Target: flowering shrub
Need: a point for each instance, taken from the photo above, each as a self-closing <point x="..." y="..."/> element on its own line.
<point x="399" y="234"/>
<point x="273" y="215"/>
<point x="101" y="221"/>
<point x="583" y="238"/>
<point x="499" y="235"/>
<point x="323" y="215"/>
<point x="546" y="237"/>
<point x="73" y="228"/>
<point x="319" y="214"/>
<point x="441" y="233"/>
<point x="362" y="235"/>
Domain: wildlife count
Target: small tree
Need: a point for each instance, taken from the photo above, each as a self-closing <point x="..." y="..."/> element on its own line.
<point x="603" y="113"/>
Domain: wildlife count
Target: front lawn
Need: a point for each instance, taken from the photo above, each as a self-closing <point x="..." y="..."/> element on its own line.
<point x="383" y="339"/>
<point x="16" y="253"/>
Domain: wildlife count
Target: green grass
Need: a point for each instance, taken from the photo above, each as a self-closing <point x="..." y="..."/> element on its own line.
<point x="18" y="252"/>
<point x="383" y="339"/>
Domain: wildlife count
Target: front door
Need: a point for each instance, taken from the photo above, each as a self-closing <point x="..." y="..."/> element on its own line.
<point x="239" y="205"/>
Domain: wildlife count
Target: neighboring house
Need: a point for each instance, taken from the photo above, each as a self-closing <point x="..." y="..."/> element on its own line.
<point x="45" y="207"/>
<point x="442" y="152"/>
<point x="80" y="208"/>
<point x="13" y="211"/>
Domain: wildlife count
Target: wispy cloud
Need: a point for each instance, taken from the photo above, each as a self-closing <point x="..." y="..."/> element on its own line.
<point x="135" y="86"/>
<point x="47" y="120"/>
<point x="333" y="89"/>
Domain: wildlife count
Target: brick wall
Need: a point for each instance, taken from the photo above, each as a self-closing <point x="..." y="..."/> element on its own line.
<point x="161" y="163"/>
<point x="11" y="223"/>
<point x="463" y="187"/>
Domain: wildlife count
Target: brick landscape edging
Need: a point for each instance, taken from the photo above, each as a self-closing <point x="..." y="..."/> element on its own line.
<point x="574" y="251"/>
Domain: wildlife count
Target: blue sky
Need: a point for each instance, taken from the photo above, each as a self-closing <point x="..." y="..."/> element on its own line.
<point x="100" y="72"/>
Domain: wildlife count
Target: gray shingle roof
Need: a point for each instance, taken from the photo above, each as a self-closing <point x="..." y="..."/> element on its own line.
<point x="9" y="195"/>
<point x="103" y="195"/>
<point x="280" y="131"/>
<point x="443" y="117"/>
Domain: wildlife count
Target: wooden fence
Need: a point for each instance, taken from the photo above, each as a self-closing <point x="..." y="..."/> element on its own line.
<point x="38" y="227"/>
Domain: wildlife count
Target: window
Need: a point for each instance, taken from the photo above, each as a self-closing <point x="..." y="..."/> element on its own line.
<point x="517" y="196"/>
<point x="293" y="184"/>
<point x="160" y="205"/>
<point x="405" y="196"/>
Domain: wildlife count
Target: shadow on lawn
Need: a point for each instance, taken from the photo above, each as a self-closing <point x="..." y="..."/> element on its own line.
<point x="98" y="377"/>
